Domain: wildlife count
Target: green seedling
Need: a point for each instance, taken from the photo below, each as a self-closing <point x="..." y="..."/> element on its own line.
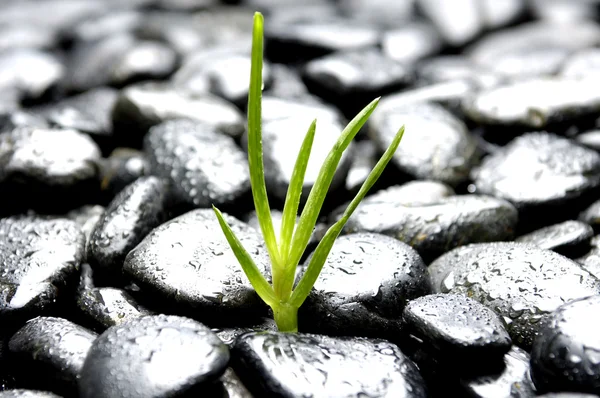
<point x="285" y="253"/>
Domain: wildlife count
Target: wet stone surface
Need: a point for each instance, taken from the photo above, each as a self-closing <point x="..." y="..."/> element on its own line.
<point x="435" y="146"/>
<point x="22" y="393"/>
<point x="435" y="226"/>
<point x="539" y="168"/>
<point x="457" y="326"/>
<point x="287" y="364"/>
<point x="153" y="356"/>
<point x="40" y="262"/>
<point x="202" y="166"/>
<point x="188" y="262"/>
<point x="54" y="350"/>
<point x="122" y="167"/>
<point x="566" y="353"/>
<point x="131" y="215"/>
<point x="569" y="238"/>
<point x="521" y="282"/>
<point x="365" y="283"/>
<point x="591" y="215"/>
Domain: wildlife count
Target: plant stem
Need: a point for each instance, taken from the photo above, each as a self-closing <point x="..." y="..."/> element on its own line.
<point x="286" y="317"/>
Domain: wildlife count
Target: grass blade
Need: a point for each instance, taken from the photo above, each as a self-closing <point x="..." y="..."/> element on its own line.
<point x="255" y="152"/>
<point x="308" y="219"/>
<point x="292" y="200"/>
<point x="322" y="251"/>
<point x="259" y="283"/>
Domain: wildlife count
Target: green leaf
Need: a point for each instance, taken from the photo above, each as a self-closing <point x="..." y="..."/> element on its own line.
<point x="255" y="152"/>
<point x="259" y="283"/>
<point x="322" y="251"/>
<point x="315" y="200"/>
<point x="294" y="193"/>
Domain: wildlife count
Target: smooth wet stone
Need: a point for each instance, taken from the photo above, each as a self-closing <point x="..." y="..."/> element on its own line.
<point x="230" y="335"/>
<point x="566" y="353"/>
<point x="204" y="167"/>
<point x="540" y="62"/>
<point x="360" y="74"/>
<point x="411" y="42"/>
<point x="89" y="112"/>
<point x="23" y="393"/>
<point x="564" y="10"/>
<point x="306" y="39"/>
<point x="153" y="356"/>
<point x="436" y="145"/>
<point x="53" y="349"/>
<point x="581" y="64"/>
<point x="512" y="380"/>
<point x="567" y="238"/>
<point x="122" y="167"/>
<point x="385" y="13"/>
<point x="286" y="83"/>
<point x="144" y="105"/>
<point x="591" y="215"/>
<point x="185" y="5"/>
<point x="306" y="108"/>
<point x="14" y="35"/>
<point x="282" y="139"/>
<point x="129" y="217"/>
<point x="86" y="218"/>
<point x="146" y="60"/>
<point x="221" y="72"/>
<point x="533" y="36"/>
<point x="20" y="118"/>
<point x="455" y="326"/>
<point x="365" y="283"/>
<point x="233" y="385"/>
<point x="590" y="139"/>
<point x="297" y="364"/>
<point x="448" y="68"/>
<point x="31" y="72"/>
<point x="538" y="168"/>
<point x="521" y="282"/>
<point x="104" y="307"/>
<point x="40" y="261"/>
<point x="363" y="161"/>
<point x="435" y="226"/>
<point x="534" y="103"/>
<point x="115" y="22"/>
<point x="188" y="262"/>
<point x="458" y="22"/>
<point x="591" y="260"/>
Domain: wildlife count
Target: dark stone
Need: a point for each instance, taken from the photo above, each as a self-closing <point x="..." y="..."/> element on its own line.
<point x="297" y="364"/>
<point x="153" y="356"/>
<point x="185" y="5"/>
<point x="221" y="72"/>
<point x="32" y="73"/>
<point x="581" y="64"/>
<point x="131" y="215"/>
<point x="99" y="27"/>
<point x="411" y="42"/>
<point x="23" y="393"/>
<point x="121" y="168"/>
<point x="308" y="108"/>
<point x="385" y="13"/>
<point x="591" y="215"/>
<point x="233" y="385"/>
<point x="286" y="83"/>
<point x="188" y="264"/>
<point x="567" y="395"/>
<point x="52" y="349"/>
<point x="292" y="41"/>
<point x="14" y="35"/>
<point x="458" y="22"/>
<point x="564" y="11"/>
<point x="448" y="68"/>
<point x="363" y="161"/>
<point x="519" y="281"/>
<point x="590" y="139"/>
<point x="436" y="145"/>
<point x="434" y="226"/>
<point x="204" y="167"/>
<point x="570" y="238"/>
<point x="90" y="112"/>
<point x="352" y="79"/>
<point x="103" y="307"/>
<point x="591" y="260"/>
<point x="229" y="335"/>
<point x="282" y="139"/>
<point x="530" y="63"/>
<point x="363" y="287"/>
<point x="566" y="352"/>
<point x="40" y="262"/>
<point x="47" y="168"/>
<point x="538" y="169"/>
<point x="455" y="326"/>
<point x="86" y="218"/>
<point x="512" y="380"/>
<point x="145" y="60"/>
<point x="144" y="105"/>
<point x="20" y="118"/>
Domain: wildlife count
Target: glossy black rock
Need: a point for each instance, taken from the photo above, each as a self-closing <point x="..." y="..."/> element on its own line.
<point x="519" y="281"/>
<point x="54" y="350"/>
<point x="435" y="146"/>
<point x="591" y="215"/>
<point x="188" y="262"/>
<point x="297" y="364"/>
<point x="153" y="356"/>
<point x="363" y="287"/>
<point x="566" y="353"/>
<point x="22" y="393"/>
<point x="121" y="168"/>
<point x="131" y="215"/>
<point x="569" y="237"/>
<point x="457" y="326"/>
<point x="204" y="167"/>
<point x="40" y="261"/>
